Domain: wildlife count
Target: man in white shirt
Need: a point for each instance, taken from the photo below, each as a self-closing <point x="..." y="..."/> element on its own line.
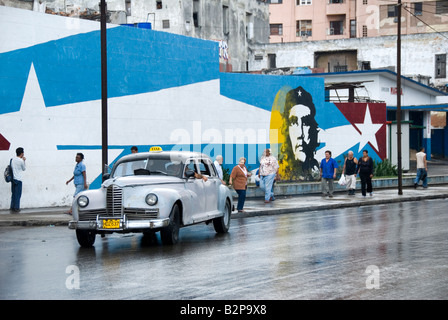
<point x="218" y="163"/>
<point x="422" y="169"/>
<point x="18" y="166"/>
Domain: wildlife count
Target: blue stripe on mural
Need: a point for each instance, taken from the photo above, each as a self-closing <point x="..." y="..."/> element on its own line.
<point x="139" y="61"/>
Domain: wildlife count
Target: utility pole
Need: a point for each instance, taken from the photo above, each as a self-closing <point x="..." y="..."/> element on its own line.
<point x="104" y="143"/>
<point x="400" y="187"/>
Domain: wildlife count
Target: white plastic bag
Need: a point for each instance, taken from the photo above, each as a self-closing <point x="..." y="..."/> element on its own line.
<point x="342" y="181"/>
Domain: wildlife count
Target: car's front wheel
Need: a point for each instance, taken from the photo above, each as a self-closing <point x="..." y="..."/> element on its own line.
<point x="222" y="224"/>
<point x="86" y="238"/>
<point x="170" y="234"/>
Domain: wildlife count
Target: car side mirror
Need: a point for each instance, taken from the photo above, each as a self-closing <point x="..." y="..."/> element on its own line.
<point x="189" y="174"/>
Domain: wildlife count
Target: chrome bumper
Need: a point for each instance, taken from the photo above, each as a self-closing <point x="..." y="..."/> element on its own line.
<point x="124" y="224"/>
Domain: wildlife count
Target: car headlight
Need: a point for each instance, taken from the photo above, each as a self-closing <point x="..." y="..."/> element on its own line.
<point x="83" y="201"/>
<point x="151" y="199"/>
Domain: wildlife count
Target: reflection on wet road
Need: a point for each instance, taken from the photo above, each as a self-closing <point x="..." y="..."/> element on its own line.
<point x="398" y="251"/>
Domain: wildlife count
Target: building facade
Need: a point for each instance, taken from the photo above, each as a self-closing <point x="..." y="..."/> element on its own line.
<point x="310" y="20"/>
<point x="235" y="24"/>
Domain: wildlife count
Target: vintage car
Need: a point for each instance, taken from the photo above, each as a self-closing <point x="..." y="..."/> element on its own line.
<point x="153" y="191"/>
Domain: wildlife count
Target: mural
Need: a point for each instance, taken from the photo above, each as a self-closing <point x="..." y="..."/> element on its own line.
<point x="306" y="131"/>
<point x="164" y="90"/>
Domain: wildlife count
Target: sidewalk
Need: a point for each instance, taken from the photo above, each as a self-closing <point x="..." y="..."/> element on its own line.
<point x="254" y="206"/>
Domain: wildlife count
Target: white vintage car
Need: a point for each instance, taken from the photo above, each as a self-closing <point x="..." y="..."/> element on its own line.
<point x="153" y="191"/>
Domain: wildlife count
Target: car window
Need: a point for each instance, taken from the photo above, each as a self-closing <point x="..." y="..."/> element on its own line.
<point x="151" y="166"/>
<point x="205" y="165"/>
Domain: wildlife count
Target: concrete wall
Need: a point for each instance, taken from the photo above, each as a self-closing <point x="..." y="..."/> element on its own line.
<point x="164" y="89"/>
<point x="418" y="53"/>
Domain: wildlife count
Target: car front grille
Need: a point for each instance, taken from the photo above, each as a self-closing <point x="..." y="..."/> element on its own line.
<point x="114" y="198"/>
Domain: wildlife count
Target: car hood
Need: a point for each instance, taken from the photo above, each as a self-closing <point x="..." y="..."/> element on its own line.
<point x="141" y="180"/>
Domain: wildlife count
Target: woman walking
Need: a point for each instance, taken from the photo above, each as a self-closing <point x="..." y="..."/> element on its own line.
<point x="238" y="178"/>
<point x="365" y="170"/>
<point x="267" y="173"/>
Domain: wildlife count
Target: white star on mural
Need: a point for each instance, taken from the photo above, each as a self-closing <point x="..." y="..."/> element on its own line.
<point x="368" y="131"/>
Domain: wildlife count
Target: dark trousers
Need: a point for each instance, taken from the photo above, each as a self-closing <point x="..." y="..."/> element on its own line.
<point x="241" y="199"/>
<point x="16" y="193"/>
<point x="365" y="181"/>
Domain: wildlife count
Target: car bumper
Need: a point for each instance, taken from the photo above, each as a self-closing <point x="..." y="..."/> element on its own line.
<point x="121" y="224"/>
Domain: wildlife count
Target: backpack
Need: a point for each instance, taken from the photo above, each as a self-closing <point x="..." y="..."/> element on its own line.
<point x="8" y="172"/>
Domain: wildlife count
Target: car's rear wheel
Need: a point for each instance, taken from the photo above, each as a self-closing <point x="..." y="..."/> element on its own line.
<point x="86" y="238"/>
<point x="222" y="224"/>
<point x="170" y="234"/>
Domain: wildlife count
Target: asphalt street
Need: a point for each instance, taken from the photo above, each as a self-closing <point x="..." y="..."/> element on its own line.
<point x="384" y="251"/>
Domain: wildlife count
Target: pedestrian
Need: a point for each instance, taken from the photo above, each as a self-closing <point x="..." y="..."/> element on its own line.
<point x="268" y="173"/>
<point x="218" y="166"/>
<point x="18" y="166"/>
<point x="134" y="149"/>
<point x="422" y="169"/>
<point x="365" y="170"/>
<point x="328" y="167"/>
<point x="79" y="176"/>
<point x="349" y="170"/>
<point x="238" y="178"/>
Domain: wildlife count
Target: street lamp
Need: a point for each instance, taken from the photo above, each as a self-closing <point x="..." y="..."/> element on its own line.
<point x="104" y="143"/>
<point x="400" y="188"/>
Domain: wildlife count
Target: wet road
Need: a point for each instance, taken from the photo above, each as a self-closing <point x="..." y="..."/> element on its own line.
<point x="394" y="251"/>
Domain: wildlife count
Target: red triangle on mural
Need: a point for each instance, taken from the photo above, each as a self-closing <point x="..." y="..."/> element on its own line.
<point x="4" y="144"/>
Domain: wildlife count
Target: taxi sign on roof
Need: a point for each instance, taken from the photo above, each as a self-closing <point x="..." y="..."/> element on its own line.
<point x="155" y="149"/>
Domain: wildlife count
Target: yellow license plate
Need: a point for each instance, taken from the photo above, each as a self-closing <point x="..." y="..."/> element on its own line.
<point x="111" y="224"/>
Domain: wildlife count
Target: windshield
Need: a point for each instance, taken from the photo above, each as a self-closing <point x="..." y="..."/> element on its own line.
<point x="159" y="166"/>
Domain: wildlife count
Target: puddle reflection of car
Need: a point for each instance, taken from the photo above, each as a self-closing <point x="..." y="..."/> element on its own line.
<point x="151" y="192"/>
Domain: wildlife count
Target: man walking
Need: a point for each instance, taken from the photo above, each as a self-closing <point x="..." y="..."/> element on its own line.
<point x="422" y="169"/>
<point x="350" y="172"/>
<point x="18" y="166"/>
<point x="328" y="167"/>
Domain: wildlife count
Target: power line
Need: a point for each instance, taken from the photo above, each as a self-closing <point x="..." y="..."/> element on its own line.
<point x="429" y="26"/>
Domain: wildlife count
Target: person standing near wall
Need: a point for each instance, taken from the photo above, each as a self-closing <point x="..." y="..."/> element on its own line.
<point x="79" y="176"/>
<point x="267" y="173"/>
<point x="218" y="166"/>
<point x="349" y="170"/>
<point x="422" y="169"/>
<point x="238" y="178"/>
<point x="328" y="167"/>
<point x="365" y="170"/>
<point x="18" y="166"/>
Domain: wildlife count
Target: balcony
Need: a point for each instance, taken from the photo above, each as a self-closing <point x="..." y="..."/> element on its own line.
<point x="337" y="7"/>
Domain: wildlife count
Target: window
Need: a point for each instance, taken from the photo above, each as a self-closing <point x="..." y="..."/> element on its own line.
<point x="159" y="4"/>
<point x="364" y="31"/>
<point x="225" y="20"/>
<point x="336" y="27"/>
<point x="304" y="28"/>
<point x="441" y="7"/>
<point x="335" y="1"/>
<point x="392" y="11"/>
<point x="272" y="61"/>
<point x="339" y="68"/>
<point x="303" y="2"/>
<point x="128" y="7"/>
<point x="276" y="29"/>
<point x="196" y="13"/>
<point x="166" y="24"/>
<point x="275" y="1"/>
<point x="418" y="6"/>
<point x="364" y="2"/>
<point x="440" y="66"/>
<point x="352" y="28"/>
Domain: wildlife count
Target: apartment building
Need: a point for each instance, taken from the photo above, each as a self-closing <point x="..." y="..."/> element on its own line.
<point x="310" y="20"/>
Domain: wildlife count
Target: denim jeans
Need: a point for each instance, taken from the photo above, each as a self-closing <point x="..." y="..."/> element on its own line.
<point x="16" y="194"/>
<point x="241" y="199"/>
<point x="420" y="172"/>
<point x="266" y="183"/>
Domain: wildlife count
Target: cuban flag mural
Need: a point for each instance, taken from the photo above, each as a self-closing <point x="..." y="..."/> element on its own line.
<point x="164" y="90"/>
